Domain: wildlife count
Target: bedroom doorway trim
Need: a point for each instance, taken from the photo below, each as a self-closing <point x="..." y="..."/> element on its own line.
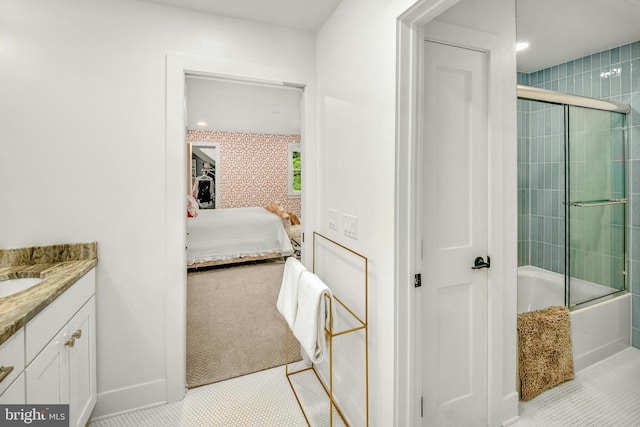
<point x="178" y="67"/>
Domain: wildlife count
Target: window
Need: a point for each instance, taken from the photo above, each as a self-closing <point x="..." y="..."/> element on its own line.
<point x="295" y="170"/>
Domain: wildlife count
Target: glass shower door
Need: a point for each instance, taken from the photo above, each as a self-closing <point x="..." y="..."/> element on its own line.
<point x="596" y="204"/>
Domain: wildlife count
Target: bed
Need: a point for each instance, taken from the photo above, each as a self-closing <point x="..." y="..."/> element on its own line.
<point x="224" y="236"/>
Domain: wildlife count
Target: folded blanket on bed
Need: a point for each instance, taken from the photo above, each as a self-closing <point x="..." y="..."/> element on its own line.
<point x="287" y="303"/>
<point x="313" y="313"/>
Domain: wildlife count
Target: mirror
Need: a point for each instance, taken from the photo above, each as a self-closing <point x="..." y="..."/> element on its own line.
<point x="205" y="174"/>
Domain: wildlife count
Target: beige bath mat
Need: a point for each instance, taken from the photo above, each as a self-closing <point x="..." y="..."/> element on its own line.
<point x="545" y="358"/>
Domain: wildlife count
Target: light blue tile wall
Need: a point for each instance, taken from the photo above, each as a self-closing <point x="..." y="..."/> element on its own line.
<point x="540" y="184"/>
<point x="612" y="75"/>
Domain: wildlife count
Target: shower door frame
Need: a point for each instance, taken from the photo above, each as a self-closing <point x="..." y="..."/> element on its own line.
<point x="620" y="109"/>
<point x="567" y="101"/>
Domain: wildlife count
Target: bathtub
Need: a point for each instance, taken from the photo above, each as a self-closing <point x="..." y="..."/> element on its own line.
<point x="597" y="331"/>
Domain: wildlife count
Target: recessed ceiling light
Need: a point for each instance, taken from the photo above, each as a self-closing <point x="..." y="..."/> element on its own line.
<point x="521" y="46"/>
<point x="201" y="123"/>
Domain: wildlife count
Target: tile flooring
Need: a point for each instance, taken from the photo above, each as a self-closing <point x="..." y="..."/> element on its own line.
<point x="262" y="399"/>
<point x="606" y="394"/>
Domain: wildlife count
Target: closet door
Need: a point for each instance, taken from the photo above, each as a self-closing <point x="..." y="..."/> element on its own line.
<point x="454" y="224"/>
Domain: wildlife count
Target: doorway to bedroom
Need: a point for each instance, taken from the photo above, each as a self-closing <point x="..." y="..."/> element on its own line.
<point x="244" y="167"/>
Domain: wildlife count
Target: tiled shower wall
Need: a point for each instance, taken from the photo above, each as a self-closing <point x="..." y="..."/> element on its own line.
<point x="612" y="75"/>
<point x="541" y="185"/>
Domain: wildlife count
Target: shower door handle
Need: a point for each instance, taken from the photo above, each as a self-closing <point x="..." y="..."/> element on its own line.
<point x="479" y="263"/>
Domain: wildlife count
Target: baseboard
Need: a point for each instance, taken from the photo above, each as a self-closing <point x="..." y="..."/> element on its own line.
<point x="510" y="409"/>
<point x="127" y="399"/>
<point x="589" y="358"/>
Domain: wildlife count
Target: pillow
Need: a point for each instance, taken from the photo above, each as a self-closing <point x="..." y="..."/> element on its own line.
<point x="276" y="208"/>
<point x="294" y="218"/>
<point x="192" y="207"/>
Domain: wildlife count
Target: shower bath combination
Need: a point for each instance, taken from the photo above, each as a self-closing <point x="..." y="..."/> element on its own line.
<point x="572" y="214"/>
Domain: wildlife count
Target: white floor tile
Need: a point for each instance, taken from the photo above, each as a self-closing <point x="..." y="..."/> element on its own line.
<point x="606" y="394"/>
<point x="261" y="399"/>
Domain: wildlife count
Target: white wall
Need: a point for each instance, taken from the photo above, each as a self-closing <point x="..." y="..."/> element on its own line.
<point x="82" y="131"/>
<point x="356" y="62"/>
<point x="356" y="67"/>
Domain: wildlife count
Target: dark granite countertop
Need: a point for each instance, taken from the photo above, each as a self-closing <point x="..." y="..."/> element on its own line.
<point x="59" y="266"/>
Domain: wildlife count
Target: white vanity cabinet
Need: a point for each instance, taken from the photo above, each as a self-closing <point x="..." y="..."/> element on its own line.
<point x="11" y="367"/>
<point x="47" y="375"/>
<point x="15" y="393"/>
<point x="64" y="371"/>
<point x="59" y="352"/>
<point x="82" y="365"/>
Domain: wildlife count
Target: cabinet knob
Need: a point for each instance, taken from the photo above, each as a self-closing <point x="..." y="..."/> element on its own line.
<point x="4" y="371"/>
<point x="77" y="334"/>
<point x="71" y="342"/>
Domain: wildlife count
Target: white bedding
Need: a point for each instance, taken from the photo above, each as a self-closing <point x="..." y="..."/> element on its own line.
<point x="221" y="234"/>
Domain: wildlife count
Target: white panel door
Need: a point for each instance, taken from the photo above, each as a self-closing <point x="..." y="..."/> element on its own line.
<point x="454" y="224"/>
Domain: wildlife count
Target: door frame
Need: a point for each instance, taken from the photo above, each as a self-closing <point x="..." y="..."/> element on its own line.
<point x="502" y="399"/>
<point x="178" y="67"/>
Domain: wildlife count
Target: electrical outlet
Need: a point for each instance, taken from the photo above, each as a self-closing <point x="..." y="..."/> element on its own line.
<point x="350" y="226"/>
<point x="333" y="219"/>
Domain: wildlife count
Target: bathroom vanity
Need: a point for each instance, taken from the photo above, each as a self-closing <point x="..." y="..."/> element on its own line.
<point x="47" y="331"/>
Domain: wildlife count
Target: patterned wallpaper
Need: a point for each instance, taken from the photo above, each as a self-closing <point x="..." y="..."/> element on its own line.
<point x="253" y="167"/>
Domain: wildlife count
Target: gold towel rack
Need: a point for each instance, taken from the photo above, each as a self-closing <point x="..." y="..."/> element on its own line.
<point x="361" y="325"/>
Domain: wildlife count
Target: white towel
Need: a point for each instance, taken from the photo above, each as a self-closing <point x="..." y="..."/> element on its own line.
<point x="313" y="313"/>
<point x="287" y="303"/>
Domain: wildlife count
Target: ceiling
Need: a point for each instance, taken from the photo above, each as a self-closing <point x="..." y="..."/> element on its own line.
<point x="562" y="30"/>
<point x="557" y="30"/>
<point x="234" y="106"/>
<point x="308" y="15"/>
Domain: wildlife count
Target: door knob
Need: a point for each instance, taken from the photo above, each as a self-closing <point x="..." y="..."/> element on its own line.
<point x="479" y="263"/>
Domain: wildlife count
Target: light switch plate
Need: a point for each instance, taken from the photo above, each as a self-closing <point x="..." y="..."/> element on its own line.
<point x="350" y="226"/>
<point x="333" y="219"/>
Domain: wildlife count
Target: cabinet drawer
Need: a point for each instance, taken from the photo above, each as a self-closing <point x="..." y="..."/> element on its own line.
<point x="49" y="321"/>
<point x="12" y="354"/>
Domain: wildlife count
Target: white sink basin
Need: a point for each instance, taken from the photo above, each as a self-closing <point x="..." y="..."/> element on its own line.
<point x="13" y="286"/>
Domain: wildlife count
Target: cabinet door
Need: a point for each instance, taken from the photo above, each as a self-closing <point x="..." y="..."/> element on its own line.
<point x="12" y="356"/>
<point x="15" y="393"/>
<point x="48" y="374"/>
<point x="82" y="368"/>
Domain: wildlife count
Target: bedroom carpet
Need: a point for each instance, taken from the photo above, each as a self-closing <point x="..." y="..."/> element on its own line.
<point x="233" y="326"/>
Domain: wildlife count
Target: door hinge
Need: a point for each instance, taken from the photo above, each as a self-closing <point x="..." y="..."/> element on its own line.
<point x="417" y="280"/>
<point x="421" y="406"/>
